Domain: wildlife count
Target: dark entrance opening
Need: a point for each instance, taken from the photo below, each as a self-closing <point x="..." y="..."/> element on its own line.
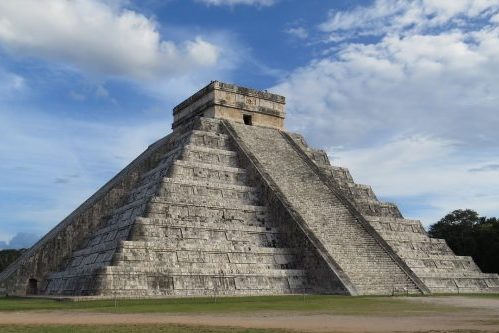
<point x="247" y="119"/>
<point x="32" y="288"/>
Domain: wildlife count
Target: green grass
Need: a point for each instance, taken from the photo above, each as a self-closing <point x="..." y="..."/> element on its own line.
<point x="129" y="329"/>
<point x="492" y="295"/>
<point x="315" y="304"/>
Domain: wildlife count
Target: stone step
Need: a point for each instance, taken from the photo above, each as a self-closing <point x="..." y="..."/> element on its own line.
<point x="443" y="270"/>
<point x="397" y="236"/>
<point x="101" y="247"/>
<point x="107" y="249"/>
<point x="206" y="192"/>
<point x="422" y="255"/>
<point x="144" y="191"/>
<point x="210" y="184"/>
<point x="154" y="291"/>
<point x="161" y="170"/>
<point x="388" y="291"/>
<point x="360" y="191"/>
<point x="179" y="271"/>
<point x="391" y="219"/>
<point x="383" y="227"/>
<point x="208" y="172"/>
<point x="260" y="220"/>
<point x="209" y="139"/>
<point x="216" y="243"/>
<point x="341" y="173"/>
<point x="461" y="284"/>
<point x="160" y="208"/>
<point x="206" y="256"/>
<point x="455" y="290"/>
<point x="197" y="268"/>
<point x="193" y="152"/>
<point x="208" y="224"/>
<point x="188" y="285"/>
<point x="168" y="247"/>
<point x="202" y="154"/>
<point x="456" y="263"/>
<point x="90" y="261"/>
<point x="460" y="275"/>
<point x="178" y="185"/>
<point x="405" y="248"/>
<point x="374" y="207"/>
<point x="424" y="242"/>
<point x="265" y="239"/>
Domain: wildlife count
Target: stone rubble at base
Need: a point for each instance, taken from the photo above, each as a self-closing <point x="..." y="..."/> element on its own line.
<point x="231" y="204"/>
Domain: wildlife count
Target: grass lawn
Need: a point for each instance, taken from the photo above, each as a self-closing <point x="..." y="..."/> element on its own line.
<point x="315" y="304"/>
<point x="131" y="329"/>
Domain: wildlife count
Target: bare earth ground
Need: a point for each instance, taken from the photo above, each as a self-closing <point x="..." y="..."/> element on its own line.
<point x="482" y="314"/>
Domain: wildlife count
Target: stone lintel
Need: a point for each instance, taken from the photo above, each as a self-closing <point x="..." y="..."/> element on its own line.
<point x="229" y="101"/>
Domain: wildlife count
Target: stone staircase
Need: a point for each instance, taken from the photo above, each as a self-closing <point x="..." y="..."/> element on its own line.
<point x="432" y="259"/>
<point x="369" y="266"/>
<point x="429" y="258"/>
<point x="192" y="226"/>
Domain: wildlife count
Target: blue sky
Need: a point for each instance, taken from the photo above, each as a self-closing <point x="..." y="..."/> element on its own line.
<point x="403" y="93"/>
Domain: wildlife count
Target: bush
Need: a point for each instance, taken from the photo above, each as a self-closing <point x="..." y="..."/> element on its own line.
<point x="469" y="234"/>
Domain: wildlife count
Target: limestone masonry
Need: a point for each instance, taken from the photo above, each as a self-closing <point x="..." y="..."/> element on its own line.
<point x="230" y="203"/>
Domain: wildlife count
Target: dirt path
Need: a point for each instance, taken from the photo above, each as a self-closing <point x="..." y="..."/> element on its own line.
<point x="483" y="315"/>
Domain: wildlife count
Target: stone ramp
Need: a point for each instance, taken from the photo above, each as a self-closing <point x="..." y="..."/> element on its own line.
<point x="368" y="266"/>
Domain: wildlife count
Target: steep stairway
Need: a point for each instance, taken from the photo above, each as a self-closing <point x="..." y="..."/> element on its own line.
<point x="368" y="265"/>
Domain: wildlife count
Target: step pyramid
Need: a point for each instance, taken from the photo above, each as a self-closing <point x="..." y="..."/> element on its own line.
<point x="231" y="204"/>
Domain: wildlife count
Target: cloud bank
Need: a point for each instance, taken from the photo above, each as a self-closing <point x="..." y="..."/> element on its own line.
<point x="407" y="100"/>
<point x="93" y="35"/>
<point x="19" y="241"/>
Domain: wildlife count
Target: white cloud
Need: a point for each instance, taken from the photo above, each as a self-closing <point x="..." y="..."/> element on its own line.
<point x="19" y="241"/>
<point x="431" y="173"/>
<point x="94" y="35"/>
<point x="298" y="32"/>
<point x="414" y="109"/>
<point x="438" y="84"/>
<point x="407" y="17"/>
<point x="262" y="3"/>
<point x="12" y="84"/>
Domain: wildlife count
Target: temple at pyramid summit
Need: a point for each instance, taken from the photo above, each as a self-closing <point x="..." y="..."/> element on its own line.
<point x="230" y="203"/>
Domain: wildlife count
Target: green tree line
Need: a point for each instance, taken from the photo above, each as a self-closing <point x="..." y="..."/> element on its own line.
<point x="8" y="256"/>
<point x="469" y="234"/>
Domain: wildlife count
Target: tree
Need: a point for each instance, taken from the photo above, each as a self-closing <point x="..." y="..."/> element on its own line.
<point x="9" y="256"/>
<point x="469" y="234"/>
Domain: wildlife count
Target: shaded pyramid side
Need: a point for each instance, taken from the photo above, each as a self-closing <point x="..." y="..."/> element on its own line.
<point x="430" y="259"/>
<point x="196" y="224"/>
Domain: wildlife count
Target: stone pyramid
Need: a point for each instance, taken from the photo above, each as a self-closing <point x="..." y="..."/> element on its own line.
<point x="231" y="204"/>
